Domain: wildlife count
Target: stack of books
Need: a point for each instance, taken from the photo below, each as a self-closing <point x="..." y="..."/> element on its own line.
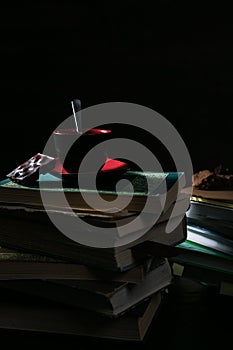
<point x="111" y="292"/>
<point x="207" y="253"/>
<point x="211" y="205"/>
<point x="212" y="211"/>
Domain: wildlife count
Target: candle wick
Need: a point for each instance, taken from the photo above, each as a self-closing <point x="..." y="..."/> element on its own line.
<point x="76" y="107"/>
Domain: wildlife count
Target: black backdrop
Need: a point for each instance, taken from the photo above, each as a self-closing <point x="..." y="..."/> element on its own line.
<point x="175" y="57"/>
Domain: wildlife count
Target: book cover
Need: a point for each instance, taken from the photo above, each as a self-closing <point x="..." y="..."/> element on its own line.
<point x="219" y="227"/>
<point x="220" y="195"/>
<point x="211" y="209"/>
<point x="209" y="238"/>
<point x="195" y="254"/>
<point x="220" y="204"/>
<point x="213" y="215"/>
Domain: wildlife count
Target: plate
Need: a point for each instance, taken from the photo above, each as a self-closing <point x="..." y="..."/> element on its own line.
<point x="110" y="166"/>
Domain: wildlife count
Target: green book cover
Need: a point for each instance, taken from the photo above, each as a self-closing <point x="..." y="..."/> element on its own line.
<point x="197" y="255"/>
<point x="140" y="181"/>
<point x="192" y="246"/>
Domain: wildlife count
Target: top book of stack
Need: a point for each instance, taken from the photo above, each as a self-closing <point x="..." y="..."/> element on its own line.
<point x="25" y="223"/>
<point x="163" y="191"/>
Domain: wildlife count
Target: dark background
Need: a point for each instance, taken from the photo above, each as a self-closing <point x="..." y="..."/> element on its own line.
<point x="175" y="57"/>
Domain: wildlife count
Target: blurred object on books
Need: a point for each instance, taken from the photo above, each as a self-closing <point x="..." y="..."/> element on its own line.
<point x="213" y="185"/>
<point x="208" y="185"/>
<point x="28" y="172"/>
<point x="109" y="167"/>
<point x="212" y="180"/>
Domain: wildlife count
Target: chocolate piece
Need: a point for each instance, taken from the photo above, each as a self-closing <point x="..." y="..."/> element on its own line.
<point x="201" y="176"/>
<point x="28" y="172"/>
<point x="212" y="180"/>
<point x="217" y="182"/>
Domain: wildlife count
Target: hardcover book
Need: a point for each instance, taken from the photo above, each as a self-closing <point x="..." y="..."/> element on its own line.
<point x="24" y="222"/>
<point x="162" y="188"/>
<point x="21" y="265"/>
<point x="111" y="298"/>
<point x="34" y="314"/>
<point x="211" y="214"/>
<point x="44" y="238"/>
<point x="220" y="195"/>
<point x="205" y="258"/>
<point x="209" y="238"/>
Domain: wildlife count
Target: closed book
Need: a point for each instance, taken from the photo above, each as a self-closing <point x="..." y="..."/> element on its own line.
<point x="25" y="223"/>
<point x="34" y="314"/>
<point x="198" y="255"/>
<point x="21" y="265"/>
<point x="211" y="214"/>
<point x="162" y="188"/>
<point x="224" y="195"/>
<point x="110" y="298"/>
<point x="209" y="238"/>
<point x="44" y="238"/>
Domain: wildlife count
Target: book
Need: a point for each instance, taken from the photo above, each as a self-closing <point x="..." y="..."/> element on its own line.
<point x="21" y="265"/>
<point x="160" y="187"/>
<point x="204" y="275"/>
<point x="211" y="214"/>
<point x="217" y="226"/>
<point x="20" y="204"/>
<point x="218" y="195"/>
<point x="209" y="238"/>
<point x="44" y="238"/>
<point x="34" y="314"/>
<point x="205" y="258"/>
<point x="105" y="220"/>
<point x="211" y="208"/>
<point x="110" y="298"/>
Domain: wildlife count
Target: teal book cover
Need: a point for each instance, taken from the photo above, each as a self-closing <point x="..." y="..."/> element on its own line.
<point x="194" y="254"/>
<point x="140" y="181"/>
<point x="195" y="247"/>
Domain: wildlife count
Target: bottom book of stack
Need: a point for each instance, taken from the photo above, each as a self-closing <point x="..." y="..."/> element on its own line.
<point x="35" y="314"/>
<point x="115" y="309"/>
